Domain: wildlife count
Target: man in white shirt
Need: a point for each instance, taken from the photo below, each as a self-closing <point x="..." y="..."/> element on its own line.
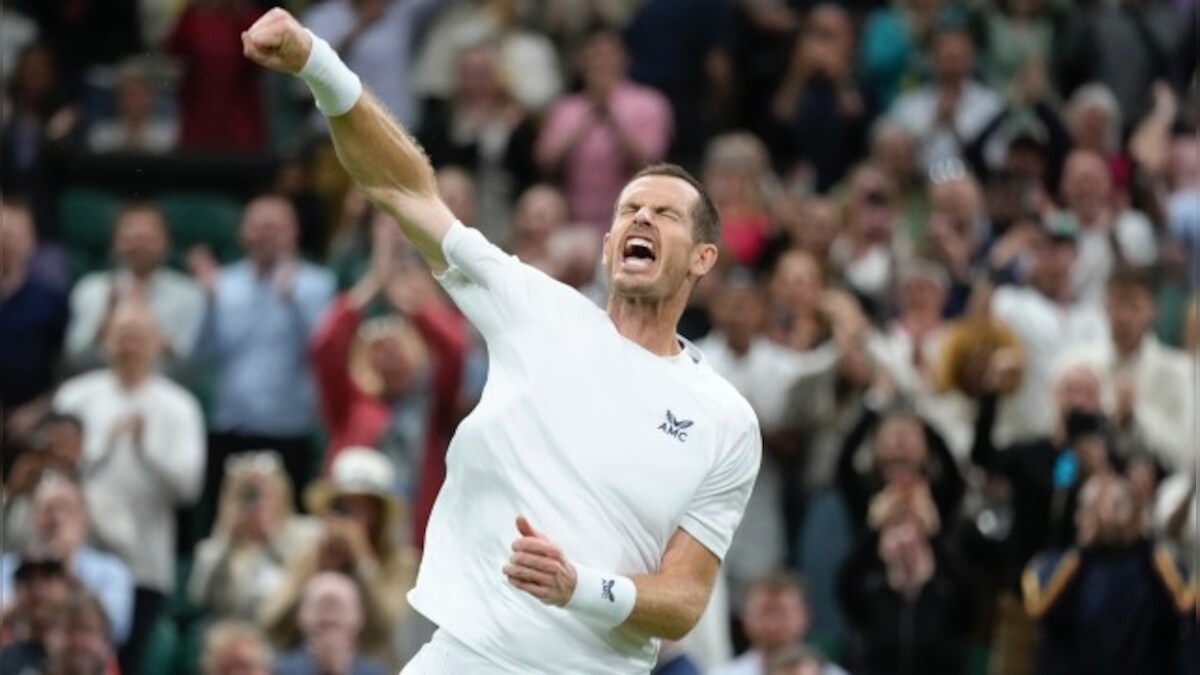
<point x="608" y="431"/>
<point x="144" y="448"/>
<point x="1109" y="235"/>
<point x="140" y="246"/>
<point x="1048" y="318"/>
<point x="1153" y="405"/>
<point x="949" y="113"/>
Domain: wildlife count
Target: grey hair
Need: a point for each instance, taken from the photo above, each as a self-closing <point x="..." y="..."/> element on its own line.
<point x="1098" y="95"/>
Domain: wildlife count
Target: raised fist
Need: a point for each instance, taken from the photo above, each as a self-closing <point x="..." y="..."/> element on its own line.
<point x="277" y="41"/>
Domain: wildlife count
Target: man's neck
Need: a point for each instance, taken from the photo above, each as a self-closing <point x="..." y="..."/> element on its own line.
<point x="1128" y="351"/>
<point x="650" y="323"/>
<point x="132" y="377"/>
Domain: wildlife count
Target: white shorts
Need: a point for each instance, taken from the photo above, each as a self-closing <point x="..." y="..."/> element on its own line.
<point x="443" y="655"/>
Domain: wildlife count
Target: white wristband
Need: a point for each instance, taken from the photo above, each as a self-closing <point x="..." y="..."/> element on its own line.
<point x="605" y="598"/>
<point x="335" y="87"/>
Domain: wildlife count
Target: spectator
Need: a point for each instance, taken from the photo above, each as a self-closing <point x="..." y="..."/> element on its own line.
<point x="78" y="643"/>
<point x="895" y="46"/>
<point x="17" y="32"/>
<point x="361" y="518"/>
<point x="811" y="225"/>
<point x="1111" y="602"/>
<point x="33" y="318"/>
<point x="38" y="125"/>
<point x="261" y="312"/>
<point x="232" y="648"/>
<point x="1040" y="482"/>
<point x="207" y="41"/>
<point x="1109" y="233"/>
<point x="143" y="446"/>
<point x="60" y="519"/>
<point x="947" y="114"/>
<point x="137" y="128"/>
<point x="598" y="138"/>
<point x="865" y="252"/>
<point x="1152" y="382"/>
<point x="527" y="58"/>
<point x="541" y="213"/>
<point x="40" y="585"/>
<point x="776" y="617"/>
<point x="905" y="448"/>
<point x="457" y="189"/>
<point x="1019" y="34"/>
<point x="737" y="175"/>
<point x="910" y="605"/>
<point x="56" y="448"/>
<point x="392" y="382"/>
<point x="485" y="130"/>
<point x="895" y="151"/>
<point x="376" y="40"/>
<point x="330" y="618"/>
<point x="1150" y="34"/>
<point x="141" y="243"/>
<point x="1048" y="318"/>
<point x="909" y="350"/>
<point x="957" y="229"/>
<point x="821" y="110"/>
<point x="256" y="537"/>
<point x="682" y="48"/>
<point x="1094" y="120"/>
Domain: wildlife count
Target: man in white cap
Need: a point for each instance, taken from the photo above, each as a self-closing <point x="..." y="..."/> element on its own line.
<point x="605" y="428"/>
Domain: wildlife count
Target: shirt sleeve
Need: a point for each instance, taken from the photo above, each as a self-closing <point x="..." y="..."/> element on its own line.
<point x="493" y="289"/>
<point x="717" y="507"/>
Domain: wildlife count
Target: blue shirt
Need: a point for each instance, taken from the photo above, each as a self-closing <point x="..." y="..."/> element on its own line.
<point x="300" y="662"/>
<point x="32" y="323"/>
<point x="103" y="574"/>
<point x="259" y="340"/>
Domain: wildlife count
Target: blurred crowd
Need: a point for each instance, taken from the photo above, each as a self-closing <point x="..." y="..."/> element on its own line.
<point x="957" y="284"/>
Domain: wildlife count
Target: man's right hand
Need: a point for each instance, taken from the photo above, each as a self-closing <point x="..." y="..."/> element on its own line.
<point x="277" y="41"/>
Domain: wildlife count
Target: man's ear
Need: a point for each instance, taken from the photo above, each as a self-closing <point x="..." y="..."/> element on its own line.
<point x="604" y="249"/>
<point x="704" y="257"/>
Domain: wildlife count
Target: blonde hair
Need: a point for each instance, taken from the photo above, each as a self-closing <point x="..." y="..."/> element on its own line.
<point x="239" y="470"/>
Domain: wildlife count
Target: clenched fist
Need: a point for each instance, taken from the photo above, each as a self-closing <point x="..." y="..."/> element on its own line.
<point x="277" y="41"/>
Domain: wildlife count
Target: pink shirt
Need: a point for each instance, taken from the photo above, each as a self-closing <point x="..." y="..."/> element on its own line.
<point x="595" y="170"/>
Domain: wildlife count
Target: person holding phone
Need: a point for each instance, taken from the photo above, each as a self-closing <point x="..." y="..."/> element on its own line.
<point x="256" y="536"/>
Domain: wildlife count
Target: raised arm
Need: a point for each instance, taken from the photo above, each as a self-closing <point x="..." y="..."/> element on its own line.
<point x="381" y="157"/>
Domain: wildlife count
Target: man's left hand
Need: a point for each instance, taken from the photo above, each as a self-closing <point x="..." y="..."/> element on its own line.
<point x="539" y="568"/>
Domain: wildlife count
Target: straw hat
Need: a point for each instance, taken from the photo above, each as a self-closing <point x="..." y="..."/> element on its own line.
<point x="383" y="328"/>
<point x="357" y="471"/>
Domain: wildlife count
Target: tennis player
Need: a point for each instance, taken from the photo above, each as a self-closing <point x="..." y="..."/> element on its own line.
<point x="591" y="495"/>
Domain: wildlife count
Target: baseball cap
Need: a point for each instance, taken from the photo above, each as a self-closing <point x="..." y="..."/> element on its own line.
<point x="1061" y="227"/>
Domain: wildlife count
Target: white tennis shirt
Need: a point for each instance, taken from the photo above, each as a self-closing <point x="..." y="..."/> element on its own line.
<point x="604" y="446"/>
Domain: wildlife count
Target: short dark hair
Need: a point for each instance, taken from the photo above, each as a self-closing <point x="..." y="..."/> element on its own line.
<point x="706" y="221"/>
<point x="54" y="418"/>
<point x="1128" y="277"/>
<point x="781" y="581"/>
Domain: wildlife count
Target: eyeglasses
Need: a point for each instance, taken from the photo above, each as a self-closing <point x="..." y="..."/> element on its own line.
<point x="259" y="461"/>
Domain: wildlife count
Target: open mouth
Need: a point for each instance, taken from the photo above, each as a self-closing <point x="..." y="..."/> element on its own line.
<point x="638" y="253"/>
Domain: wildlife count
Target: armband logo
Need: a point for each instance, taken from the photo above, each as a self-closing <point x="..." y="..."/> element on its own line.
<point x="606" y="586"/>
